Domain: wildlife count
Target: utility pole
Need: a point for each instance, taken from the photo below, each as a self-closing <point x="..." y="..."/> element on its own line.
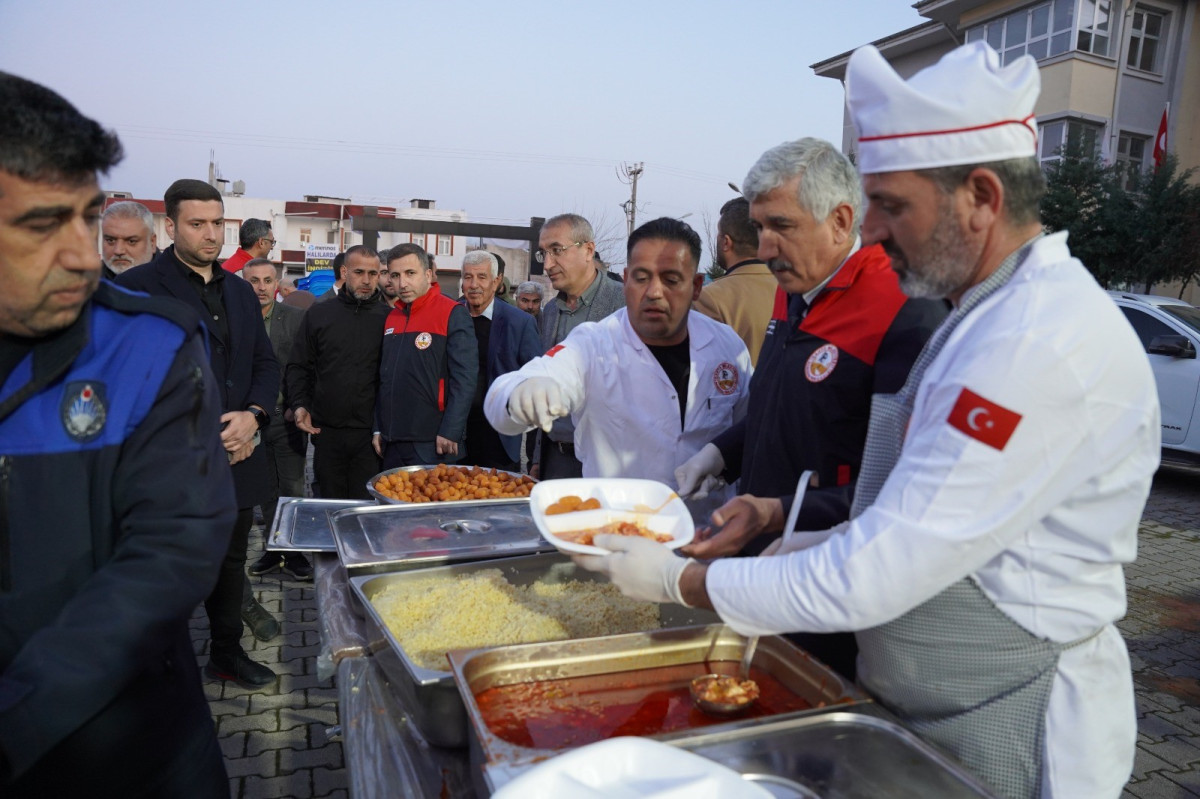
<point x="629" y="174"/>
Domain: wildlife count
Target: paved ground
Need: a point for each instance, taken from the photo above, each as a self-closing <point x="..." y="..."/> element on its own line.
<point x="276" y="742"/>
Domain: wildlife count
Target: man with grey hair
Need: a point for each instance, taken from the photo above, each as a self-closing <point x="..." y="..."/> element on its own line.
<point x="126" y="237"/>
<point x="566" y="246"/>
<point x="842" y="332"/>
<point x="507" y="340"/>
<point x="256" y="241"/>
<point x="529" y="298"/>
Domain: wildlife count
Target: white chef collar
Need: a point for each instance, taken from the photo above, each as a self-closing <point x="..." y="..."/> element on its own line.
<point x="965" y="109"/>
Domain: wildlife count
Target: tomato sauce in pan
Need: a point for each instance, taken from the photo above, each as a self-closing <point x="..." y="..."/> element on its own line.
<point x="559" y="714"/>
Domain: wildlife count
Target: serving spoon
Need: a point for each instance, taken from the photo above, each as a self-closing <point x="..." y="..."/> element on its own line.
<point x="725" y="708"/>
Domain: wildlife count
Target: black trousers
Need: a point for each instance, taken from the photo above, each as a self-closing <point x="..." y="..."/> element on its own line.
<point x="484" y="447"/>
<point x="558" y="461"/>
<point x="343" y="462"/>
<point x="286" y="446"/>
<point x="413" y="453"/>
<point x="224" y="604"/>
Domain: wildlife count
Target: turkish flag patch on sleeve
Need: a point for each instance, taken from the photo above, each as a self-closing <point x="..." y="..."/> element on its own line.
<point x="550" y="353"/>
<point x="983" y="420"/>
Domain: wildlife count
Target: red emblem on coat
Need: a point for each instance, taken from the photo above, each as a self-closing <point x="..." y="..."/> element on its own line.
<point x="725" y="378"/>
<point x="550" y="353"/>
<point x="983" y="420"/>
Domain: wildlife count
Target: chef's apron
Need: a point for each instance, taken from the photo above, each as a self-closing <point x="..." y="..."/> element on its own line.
<point x="956" y="669"/>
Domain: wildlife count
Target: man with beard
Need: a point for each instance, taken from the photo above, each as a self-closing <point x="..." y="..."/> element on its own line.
<point x="1004" y="482"/>
<point x="333" y="377"/>
<point x="248" y="379"/>
<point x="116" y="500"/>
<point x="286" y="444"/>
<point x="127" y="237"/>
<point x="507" y="339"/>
<point x="645" y="387"/>
<point x="427" y="370"/>
<point x="744" y="296"/>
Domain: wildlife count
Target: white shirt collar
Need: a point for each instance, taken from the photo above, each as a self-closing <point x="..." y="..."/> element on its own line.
<point x="809" y="296"/>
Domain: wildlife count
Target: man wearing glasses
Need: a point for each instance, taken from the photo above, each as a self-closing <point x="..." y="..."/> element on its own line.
<point x="566" y="247"/>
<point x="257" y="242"/>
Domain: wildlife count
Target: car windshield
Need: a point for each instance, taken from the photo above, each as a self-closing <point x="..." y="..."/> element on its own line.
<point x="1184" y="313"/>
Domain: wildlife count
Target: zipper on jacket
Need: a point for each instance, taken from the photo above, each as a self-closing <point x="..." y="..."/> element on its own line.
<point x="197" y="403"/>
<point x="5" y="544"/>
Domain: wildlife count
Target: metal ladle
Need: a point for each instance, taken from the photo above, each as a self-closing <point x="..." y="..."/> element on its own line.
<point x="725" y="708"/>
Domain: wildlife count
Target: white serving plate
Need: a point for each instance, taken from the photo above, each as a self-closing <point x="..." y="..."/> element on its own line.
<point x="619" y="497"/>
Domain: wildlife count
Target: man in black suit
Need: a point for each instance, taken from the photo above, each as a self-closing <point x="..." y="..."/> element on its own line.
<point x="286" y="444"/>
<point x="507" y="339"/>
<point x="248" y="380"/>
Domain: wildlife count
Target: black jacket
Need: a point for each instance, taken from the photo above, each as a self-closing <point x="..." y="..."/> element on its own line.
<point x="333" y="372"/>
<point x="245" y="366"/>
<point x="116" y="506"/>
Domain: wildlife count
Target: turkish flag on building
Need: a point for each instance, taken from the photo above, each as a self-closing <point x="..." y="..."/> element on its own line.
<point x="1160" y="141"/>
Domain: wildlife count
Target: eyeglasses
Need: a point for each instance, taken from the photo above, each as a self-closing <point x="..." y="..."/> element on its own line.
<point x="554" y="250"/>
<point x="272" y="241"/>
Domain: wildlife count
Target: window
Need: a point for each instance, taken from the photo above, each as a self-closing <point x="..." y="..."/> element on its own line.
<point x="231" y="233"/>
<point x="1131" y="156"/>
<point x="1056" y="136"/>
<point x="305" y="235"/>
<point x="331" y="237"/>
<point x="1146" y="326"/>
<point x="1145" y="40"/>
<point x="419" y="240"/>
<point x="1093" y="27"/>
<point x="1041" y="30"/>
<point x="444" y="245"/>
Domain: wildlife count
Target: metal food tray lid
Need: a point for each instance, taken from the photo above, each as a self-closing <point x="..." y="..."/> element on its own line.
<point x="386" y="500"/>
<point x="380" y="538"/>
<point x="303" y="525"/>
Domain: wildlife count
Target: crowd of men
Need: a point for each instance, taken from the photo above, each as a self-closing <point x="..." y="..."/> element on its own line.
<point x="929" y="433"/>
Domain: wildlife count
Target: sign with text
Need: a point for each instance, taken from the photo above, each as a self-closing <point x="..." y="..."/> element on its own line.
<point x="319" y="256"/>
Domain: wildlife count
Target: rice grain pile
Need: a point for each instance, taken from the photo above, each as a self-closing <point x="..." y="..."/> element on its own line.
<point x="431" y="617"/>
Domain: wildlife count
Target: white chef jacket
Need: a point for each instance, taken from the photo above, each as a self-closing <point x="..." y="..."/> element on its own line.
<point x="1042" y="525"/>
<point x="625" y="410"/>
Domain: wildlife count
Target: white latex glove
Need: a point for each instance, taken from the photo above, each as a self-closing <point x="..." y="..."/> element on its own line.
<point x="798" y="541"/>
<point x="537" y="402"/>
<point x="641" y="568"/>
<point x="699" y="475"/>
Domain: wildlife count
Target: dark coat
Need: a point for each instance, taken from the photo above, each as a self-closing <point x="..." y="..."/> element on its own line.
<point x="512" y="343"/>
<point x="285" y="326"/>
<point x="112" y="533"/>
<point x="245" y="366"/>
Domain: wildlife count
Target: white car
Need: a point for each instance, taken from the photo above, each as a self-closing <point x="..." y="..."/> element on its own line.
<point x="1170" y="332"/>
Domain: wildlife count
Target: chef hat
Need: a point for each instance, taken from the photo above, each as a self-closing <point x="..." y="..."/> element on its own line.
<point x="965" y="109"/>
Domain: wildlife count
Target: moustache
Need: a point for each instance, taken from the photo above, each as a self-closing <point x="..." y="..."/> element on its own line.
<point x="778" y="265"/>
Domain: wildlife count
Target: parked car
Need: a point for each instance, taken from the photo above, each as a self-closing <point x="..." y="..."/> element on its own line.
<point x="1170" y="331"/>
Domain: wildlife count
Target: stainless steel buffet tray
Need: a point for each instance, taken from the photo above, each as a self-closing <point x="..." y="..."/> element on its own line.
<point x="303" y="525"/>
<point x="839" y="755"/>
<point x="430" y="696"/>
<point x="372" y="539"/>
<point x="676" y="654"/>
<point x="386" y="500"/>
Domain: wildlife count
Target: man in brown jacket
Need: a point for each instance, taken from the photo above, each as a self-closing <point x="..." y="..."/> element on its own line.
<point x="744" y="297"/>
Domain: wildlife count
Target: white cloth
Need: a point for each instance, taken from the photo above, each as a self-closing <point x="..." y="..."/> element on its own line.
<point x="625" y="410"/>
<point x="1043" y="525"/>
<point x="965" y="109"/>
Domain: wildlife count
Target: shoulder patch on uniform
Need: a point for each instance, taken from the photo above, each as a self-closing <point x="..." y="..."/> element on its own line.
<point x="423" y="341"/>
<point x="84" y="409"/>
<point x="821" y="363"/>
<point x="550" y="353"/>
<point x="983" y="420"/>
<point x="726" y="377"/>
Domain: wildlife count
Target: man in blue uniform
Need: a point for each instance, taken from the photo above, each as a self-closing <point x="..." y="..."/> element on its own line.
<point x="115" y="500"/>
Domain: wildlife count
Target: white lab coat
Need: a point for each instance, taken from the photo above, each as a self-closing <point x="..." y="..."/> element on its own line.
<point x="1042" y="526"/>
<point x="625" y="410"/>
